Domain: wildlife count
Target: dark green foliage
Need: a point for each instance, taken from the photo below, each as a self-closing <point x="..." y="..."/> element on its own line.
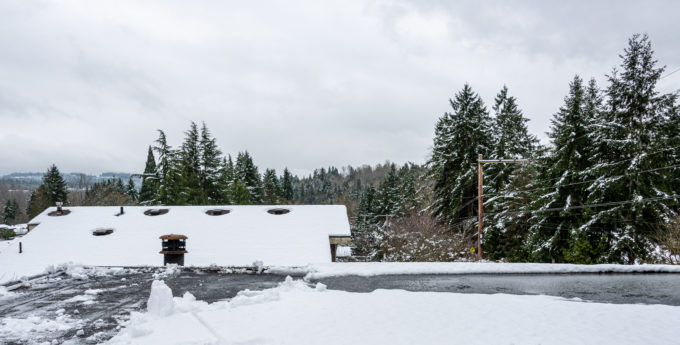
<point x="626" y="136"/>
<point x="246" y="172"/>
<point x="190" y="158"/>
<point x="210" y="166"/>
<point x="366" y="226"/>
<point x="460" y="137"/>
<point x="271" y="187"/>
<point x="9" y="211"/>
<point x="131" y="191"/>
<point x="55" y="186"/>
<point x="225" y="180"/>
<point x="38" y="202"/>
<point x="240" y="195"/>
<point x="572" y="125"/>
<point x="150" y="180"/>
<point x="6" y="234"/>
<point x="287" y="193"/>
<point x="511" y="139"/>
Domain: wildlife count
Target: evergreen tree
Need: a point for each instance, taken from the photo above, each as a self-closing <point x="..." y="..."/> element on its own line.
<point x="38" y="202"/>
<point x="365" y="230"/>
<point x="460" y="137"/>
<point x="131" y="191"/>
<point x="271" y="187"/>
<point x="118" y="184"/>
<point x="190" y="154"/>
<point x="507" y="230"/>
<point x="150" y="179"/>
<point x="287" y="193"/>
<point x="169" y="171"/>
<point x="226" y="179"/>
<point x="240" y="195"/>
<point x="55" y="186"/>
<point x="246" y="172"/>
<point x="511" y="140"/>
<point x="388" y="195"/>
<point x="627" y="170"/>
<point x="409" y="194"/>
<point x="9" y="212"/>
<point x="552" y="232"/>
<point x="210" y="166"/>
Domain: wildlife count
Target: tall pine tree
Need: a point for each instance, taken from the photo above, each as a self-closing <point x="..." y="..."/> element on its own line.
<point x="150" y="180"/>
<point x="55" y="185"/>
<point x="628" y="172"/>
<point x="460" y="136"/>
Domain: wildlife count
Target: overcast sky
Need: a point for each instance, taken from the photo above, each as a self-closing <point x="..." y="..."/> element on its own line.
<point x="85" y="84"/>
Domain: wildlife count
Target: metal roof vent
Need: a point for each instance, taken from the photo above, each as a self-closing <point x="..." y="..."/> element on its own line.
<point x="102" y="231"/>
<point x="217" y="212"/>
<point x="155" y="211"/>
<point x="278" y="211"/>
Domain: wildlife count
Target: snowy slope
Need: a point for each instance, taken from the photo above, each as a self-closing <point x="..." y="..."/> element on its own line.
<point x="294" y="313"/>
<point x="245" y="235"/>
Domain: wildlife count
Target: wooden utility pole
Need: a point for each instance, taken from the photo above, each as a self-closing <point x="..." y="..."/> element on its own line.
<point x="480" y="198"/>
<point x="480" y="207"/>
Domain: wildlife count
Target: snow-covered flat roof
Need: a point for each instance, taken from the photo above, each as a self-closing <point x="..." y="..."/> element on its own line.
<point x="239" y="238"/>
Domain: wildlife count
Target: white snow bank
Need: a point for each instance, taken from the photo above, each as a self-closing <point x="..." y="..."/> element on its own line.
<point x="367" y="269"/>
<point x="35" y="329"/>
<point x="295" y="313"/>
<point x="160" y="301"/>
<point x="245" y="235"/>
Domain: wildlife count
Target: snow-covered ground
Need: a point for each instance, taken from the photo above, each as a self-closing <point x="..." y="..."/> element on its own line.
<point x="296" y="313"/>
<point x="367" y="269"/>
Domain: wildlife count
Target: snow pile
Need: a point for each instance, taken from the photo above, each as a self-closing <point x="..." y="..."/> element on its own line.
<point x="367" y="269"/>
<point x="296" y="313"/>
<point x="35" y="329"/>
<point x="160" y="301"/>
<point x="244" y="235"/>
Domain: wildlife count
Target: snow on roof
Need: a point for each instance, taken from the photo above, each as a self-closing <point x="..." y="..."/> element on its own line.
<point x="239" y="238"/>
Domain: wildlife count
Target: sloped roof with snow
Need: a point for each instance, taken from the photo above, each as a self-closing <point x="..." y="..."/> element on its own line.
<point x="239" y="238"/>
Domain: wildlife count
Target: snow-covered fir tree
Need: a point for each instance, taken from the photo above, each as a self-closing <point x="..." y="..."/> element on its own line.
<point x="271" y="188"/>
<point x="131" y="190"/>
<point x="150" y="180"/>
<point x="552" y="232"/>
<point x="460" y="136"/>
<point x="246" y="172"/>
<point x="287" y="192"/>
<point x="190" y="158"/>
<point x="210" y="164"/>
<point x="628" y="170"/>
<point x="55" y="185"/>
<point x="226" y="180"/>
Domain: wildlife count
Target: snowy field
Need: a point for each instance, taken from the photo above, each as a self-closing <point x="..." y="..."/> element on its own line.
<point x="296" y="313"/>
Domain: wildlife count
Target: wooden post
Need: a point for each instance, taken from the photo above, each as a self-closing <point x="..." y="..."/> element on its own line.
<point x="480" y="208"/>
<point x="20" y="248"/>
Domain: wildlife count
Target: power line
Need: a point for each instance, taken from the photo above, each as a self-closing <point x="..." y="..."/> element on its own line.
<point x="678" y="69"/>
<point x="613" y="203"/>
<point x="608" y="164"/>
<point x="593" y="180"/>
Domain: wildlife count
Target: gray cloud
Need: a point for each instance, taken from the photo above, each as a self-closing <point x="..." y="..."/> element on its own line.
<point x="86" y="84"/>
